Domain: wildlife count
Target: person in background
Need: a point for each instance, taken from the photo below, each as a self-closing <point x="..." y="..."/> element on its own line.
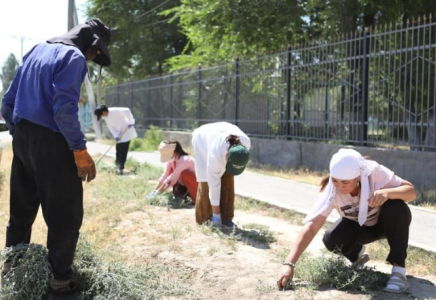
<point x="179" y="172"/>
<point x="50" y="157"/>
<point x="372" y="202"/>
<point x="120" y="122"/>
<point x="221" y="152"/>
<point x="81" y="115"/>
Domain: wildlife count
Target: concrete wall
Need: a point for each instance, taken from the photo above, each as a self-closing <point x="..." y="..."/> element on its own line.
<point x="417" y="167"/>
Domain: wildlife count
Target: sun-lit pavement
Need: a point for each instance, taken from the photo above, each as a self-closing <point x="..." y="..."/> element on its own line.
<point x="283" y="193"/>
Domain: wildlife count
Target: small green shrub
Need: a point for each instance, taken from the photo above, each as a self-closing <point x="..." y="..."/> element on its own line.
<point x="334" y="271"/>
<point x="150" y="142"/>
<point x="259" y="233"/>
<point x="167" y="199"/>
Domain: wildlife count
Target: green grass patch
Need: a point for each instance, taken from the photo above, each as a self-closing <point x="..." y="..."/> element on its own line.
<point x="259" y="233"/>
<point x="150" y="142"/>
<point x="426" y="198"/>
<point x="334" y="271"/>
<point x="113" y="187"/>
<point x="169" y="200"/>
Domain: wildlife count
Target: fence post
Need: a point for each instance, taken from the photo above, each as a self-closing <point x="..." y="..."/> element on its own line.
<point x="365" y="85"/>
<point x="237" y="91"/>
<point x="288" y="94"/>
<point x="171" y="100"/>
<point x="199" y="96"/>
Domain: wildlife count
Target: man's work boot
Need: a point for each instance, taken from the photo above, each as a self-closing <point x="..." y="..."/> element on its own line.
<point x="62" y="290"/>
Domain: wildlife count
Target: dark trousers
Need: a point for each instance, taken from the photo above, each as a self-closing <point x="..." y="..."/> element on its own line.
<point x="348" y="237"/>
<point x="121" y="155"/>
<point x="44" y="173"/>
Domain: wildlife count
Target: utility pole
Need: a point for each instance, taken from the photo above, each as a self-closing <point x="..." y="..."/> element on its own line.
<point x="71" y="8"/>
<point x="22" y="43"/>
<point x="73" y="20"/>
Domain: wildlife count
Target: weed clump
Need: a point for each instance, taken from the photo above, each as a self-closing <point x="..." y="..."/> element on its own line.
<point x="30" y="273"/>
<point x="95" y="277"/>
<point x="334" y="271"/>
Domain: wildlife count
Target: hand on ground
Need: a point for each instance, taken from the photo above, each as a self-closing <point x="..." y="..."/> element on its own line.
<point x="286" y="273"/>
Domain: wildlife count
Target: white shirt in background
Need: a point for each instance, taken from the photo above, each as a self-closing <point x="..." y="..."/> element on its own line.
<point x="210" y="147"/>
<point x="118" y="120"/>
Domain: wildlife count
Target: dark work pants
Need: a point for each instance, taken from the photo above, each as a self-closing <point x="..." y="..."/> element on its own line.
<point x="44" y="173"/>
<point x="348" y="237"/>
<point x="121" y="155"/>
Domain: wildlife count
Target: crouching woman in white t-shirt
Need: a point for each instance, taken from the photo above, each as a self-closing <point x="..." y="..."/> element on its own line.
<point x="371" y="200"/>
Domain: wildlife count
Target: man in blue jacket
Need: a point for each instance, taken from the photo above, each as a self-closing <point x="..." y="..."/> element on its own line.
<point x="50" y="157"/>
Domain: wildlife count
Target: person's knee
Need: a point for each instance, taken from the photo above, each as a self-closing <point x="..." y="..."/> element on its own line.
<point x="329" y="241"/>
<point x="395" y="207"/>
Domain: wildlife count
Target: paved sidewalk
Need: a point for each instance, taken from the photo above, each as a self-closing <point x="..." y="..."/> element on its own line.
<point x="293" y="195"/>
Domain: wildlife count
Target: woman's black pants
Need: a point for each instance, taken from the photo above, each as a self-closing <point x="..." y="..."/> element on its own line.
<point x="348" y="237"/>
<point x="121" y="154"/>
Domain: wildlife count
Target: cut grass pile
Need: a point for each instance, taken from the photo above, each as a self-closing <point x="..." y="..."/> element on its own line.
<point x="95" y="275"/>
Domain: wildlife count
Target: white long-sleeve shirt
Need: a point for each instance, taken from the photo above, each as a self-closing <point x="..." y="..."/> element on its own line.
<point x="118" y="120"/>
<point x="210" y="147"/>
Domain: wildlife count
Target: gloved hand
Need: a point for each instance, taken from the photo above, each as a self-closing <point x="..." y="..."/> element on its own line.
<point x="152" y="194"/>
<point x="85" y="165"/>
<point x="216" y="220"/>
<point x="130" y="125"/>
<point x="117" y="139"/>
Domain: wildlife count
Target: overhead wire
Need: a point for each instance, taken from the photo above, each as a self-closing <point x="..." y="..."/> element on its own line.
<point x="151" y="10"/>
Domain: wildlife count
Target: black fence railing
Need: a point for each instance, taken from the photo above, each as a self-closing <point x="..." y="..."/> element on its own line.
<point x="366" y="88"/>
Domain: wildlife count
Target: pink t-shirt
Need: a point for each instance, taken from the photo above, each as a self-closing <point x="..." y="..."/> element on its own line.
<point x="174" y="169"/>
<point x="348" y="206"/>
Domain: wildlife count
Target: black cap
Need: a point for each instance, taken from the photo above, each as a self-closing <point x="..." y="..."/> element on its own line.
<point x="103" y="34"/>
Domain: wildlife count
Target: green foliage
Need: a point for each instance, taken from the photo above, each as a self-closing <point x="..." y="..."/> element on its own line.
<point x="116" y="188"/>
<point x="221" y="30"/>
<point x="30" y="274"/>
<point x="426" y="197"/>
<point x="168" y="200"/>
<point x="9" y="69"/>
<point x="103" y="279"/>
<point x="95" y="276"/>
<point x="259" y="233"/>
<point x="335" y="271"/>
<point x="142" y="38"/>
<point x="151" y="141"/>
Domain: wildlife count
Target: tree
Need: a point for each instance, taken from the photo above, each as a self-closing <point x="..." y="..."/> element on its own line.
<point x="142" y="39"/>
<point x="9" y="69"/>
<point x="220" y="30"/>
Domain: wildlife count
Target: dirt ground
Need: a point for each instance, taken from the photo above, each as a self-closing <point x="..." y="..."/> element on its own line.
<point x="217" y="268"/>
<point x="209" y="265"/>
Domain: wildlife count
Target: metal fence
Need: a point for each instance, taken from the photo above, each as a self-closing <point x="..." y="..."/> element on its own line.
<point x="375" y="87"/>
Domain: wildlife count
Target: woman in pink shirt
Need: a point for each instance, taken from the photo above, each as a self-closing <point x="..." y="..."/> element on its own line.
<point x="179" y="172"/>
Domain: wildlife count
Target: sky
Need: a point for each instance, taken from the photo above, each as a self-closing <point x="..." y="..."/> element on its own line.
<point x="34" y="20"/>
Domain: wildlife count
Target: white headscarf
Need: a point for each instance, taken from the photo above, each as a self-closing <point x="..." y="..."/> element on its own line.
<point x="346" y="164"/>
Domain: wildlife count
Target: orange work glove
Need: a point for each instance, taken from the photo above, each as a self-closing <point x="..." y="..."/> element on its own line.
<point x="85" y="165"/>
